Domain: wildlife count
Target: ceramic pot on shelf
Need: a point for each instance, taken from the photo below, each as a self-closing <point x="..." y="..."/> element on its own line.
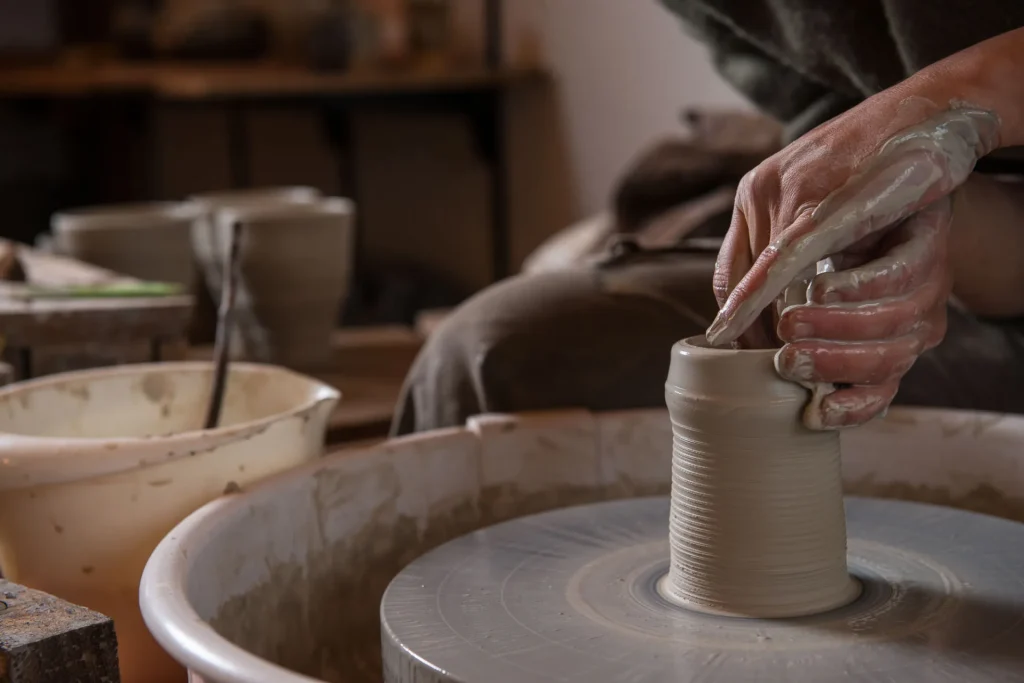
<point x="208" y="251"/>
<point x="294" y="274"/>
<point x="149" y="241"/>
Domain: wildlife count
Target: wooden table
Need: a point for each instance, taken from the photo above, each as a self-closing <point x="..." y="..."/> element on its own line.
<point x="86" y="327"/>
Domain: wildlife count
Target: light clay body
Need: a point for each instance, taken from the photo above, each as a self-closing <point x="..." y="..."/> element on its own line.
<point x="757" y="526"/>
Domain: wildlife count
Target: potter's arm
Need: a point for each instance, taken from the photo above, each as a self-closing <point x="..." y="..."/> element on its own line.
<point x="886" y="159"/>
<point x="986" y="75"/>
<point x="986" y="247"/>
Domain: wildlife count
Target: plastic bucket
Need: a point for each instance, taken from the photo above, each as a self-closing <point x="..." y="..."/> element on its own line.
<point x="97" y="466"/>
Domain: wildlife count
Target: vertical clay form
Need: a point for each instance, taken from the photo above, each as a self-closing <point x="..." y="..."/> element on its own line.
<point x="294" y="274"/>
<point x="757" y="524"/>
<point x="149" y="240"/>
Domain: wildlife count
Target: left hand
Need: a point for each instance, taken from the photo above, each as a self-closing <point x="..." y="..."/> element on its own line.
<point x="862" y="328"/>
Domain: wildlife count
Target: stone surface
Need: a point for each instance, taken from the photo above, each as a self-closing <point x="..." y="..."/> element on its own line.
<point x="46" y="640"/>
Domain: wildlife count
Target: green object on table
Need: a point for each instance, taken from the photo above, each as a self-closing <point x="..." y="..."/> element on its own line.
<point x="113" y="290"/>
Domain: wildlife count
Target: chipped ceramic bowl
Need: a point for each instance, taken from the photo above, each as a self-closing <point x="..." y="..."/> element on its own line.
<point x="97" y="466"/>
<point x="283" y="582"/>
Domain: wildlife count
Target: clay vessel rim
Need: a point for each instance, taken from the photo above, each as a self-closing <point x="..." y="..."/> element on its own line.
<point x="258" y="212"/>
<point x="57" y="458"/>
<point x="270" y="193"/>
<point x="131" y="216"/>
<point x="698" y="347"/>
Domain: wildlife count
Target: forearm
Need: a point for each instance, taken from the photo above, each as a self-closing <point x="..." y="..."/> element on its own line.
<point x="986" y="75"/>
<point x="986" y="247"/>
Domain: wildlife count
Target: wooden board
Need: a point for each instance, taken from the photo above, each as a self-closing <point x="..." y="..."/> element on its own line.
<point x="41" y="322"/>
<point x="46" y="640"/>
<point x="57" y="328"/>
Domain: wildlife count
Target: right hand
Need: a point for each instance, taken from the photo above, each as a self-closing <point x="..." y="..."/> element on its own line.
<point x="834" y="193"/>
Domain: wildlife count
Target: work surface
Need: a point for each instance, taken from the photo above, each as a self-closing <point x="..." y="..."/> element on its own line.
<point x="29" y="322"/>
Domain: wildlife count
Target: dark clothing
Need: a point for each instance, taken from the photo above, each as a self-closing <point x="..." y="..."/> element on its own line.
<point x="599" y="338"/>
<point x="595" y="338"/>
<point x="806" y="61"/>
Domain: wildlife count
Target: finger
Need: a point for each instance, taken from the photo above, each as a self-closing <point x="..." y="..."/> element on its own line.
<point x="853" y="322"/>
<point x="753" y="292"/>
<point x="734" y="256"/>
<point x="734" y="260"/>
<point x="875" y="362"/>
<point x="896" y="187"/>
<point x="852" y="407"/>
<point x="918" y="244"/>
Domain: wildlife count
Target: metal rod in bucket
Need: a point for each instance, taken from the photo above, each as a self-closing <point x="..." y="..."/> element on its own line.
<point x="225" y="324"/>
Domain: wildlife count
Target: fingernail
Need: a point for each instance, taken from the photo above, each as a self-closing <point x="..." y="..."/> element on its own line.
<point x="717" y="326"/>
<point x="796" y="366"/>
<point x="835" y="416"/>
<point x="838" y="416"/>
<point x="803" y="330"/>
<point x="823" y="295"/>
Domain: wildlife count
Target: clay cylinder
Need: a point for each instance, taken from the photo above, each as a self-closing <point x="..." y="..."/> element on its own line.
<point x="757" y="524"/>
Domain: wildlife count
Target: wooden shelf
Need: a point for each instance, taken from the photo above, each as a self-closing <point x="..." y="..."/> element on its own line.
<point x="196" y="81"/>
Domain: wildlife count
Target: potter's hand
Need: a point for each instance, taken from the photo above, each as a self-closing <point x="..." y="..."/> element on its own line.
<point x="863" y="328"/>
<point x="864" y="171"/>
<point x="834" y="192"/>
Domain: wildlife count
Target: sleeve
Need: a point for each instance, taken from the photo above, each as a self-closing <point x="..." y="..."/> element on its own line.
<point x="778" y="90"/>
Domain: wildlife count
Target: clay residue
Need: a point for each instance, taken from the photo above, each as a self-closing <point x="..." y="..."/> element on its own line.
<point x="79" y="390"/>
<point x="156" y="387"/>
<point x="321" y="619"/>
<point x="983" y="498"/>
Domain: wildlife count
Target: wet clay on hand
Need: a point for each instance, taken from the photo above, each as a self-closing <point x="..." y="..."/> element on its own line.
<point x="849" y="336"/>
<point x="911" y="170"/>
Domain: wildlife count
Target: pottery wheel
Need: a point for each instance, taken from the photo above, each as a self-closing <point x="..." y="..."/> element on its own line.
<point x="573" y="595"/>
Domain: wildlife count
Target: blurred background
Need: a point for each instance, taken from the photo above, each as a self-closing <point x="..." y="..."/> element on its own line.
<point x="472" y="137"/>
<point x="124" y="100"/>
